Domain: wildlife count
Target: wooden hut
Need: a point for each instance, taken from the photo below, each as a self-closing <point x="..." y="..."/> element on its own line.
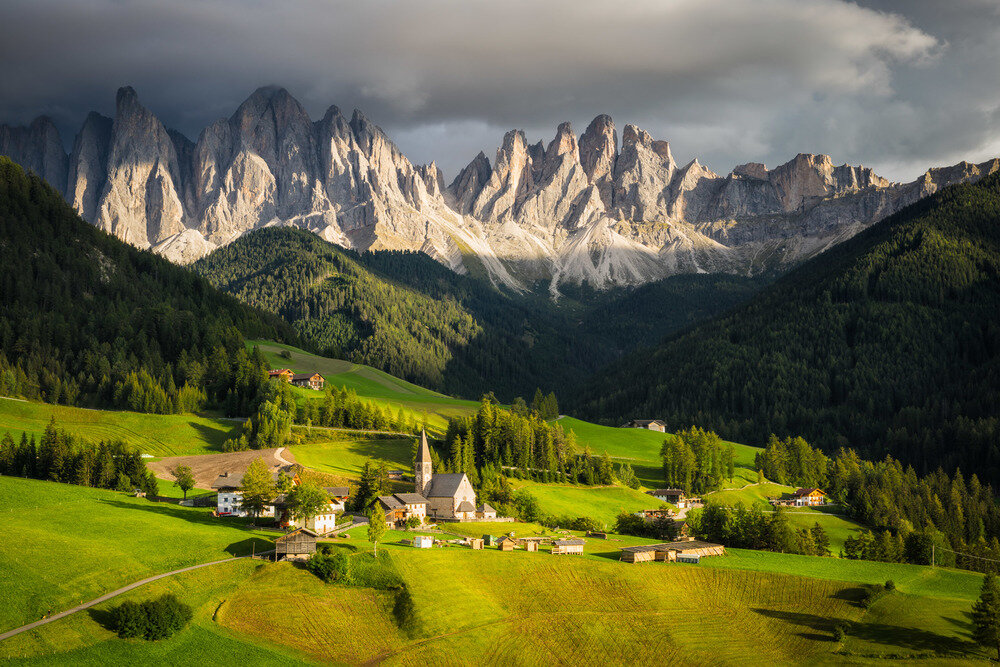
<point x="531" y="545"/>
<point x="506" y="543"/>
<point x="640" y="554"/>
<point x="476" y="543"/>
<point x="574" y="546"/>
<point x="296" y="544"/>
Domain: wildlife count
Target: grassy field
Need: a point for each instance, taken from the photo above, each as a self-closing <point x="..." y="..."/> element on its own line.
<point x="468" y="606"/>
<point x="603" y="503"/>
<point x="346" y="457"/>
<point x="65" y="543"/>
<point x="380" y="387"/>
<point x="157" y="435"/>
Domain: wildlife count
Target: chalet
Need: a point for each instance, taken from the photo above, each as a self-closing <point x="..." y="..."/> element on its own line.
<point x="572" y="546"/>
<point x="653" y="515"/>
<point x="506" y="543"/>
<point x="674" y="497"/>
<point x="648" y="424"/>
<point x="450" y="496"/>
<point x="309" y="380"/>
<point x="283" y="374"/>
<point x="423" y="541"/>
<point x="692" y="550"/>
<point x="808" y="497"/>
<point x="299" y="543"/>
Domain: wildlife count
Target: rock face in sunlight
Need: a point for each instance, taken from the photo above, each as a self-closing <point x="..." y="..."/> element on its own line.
<point x="579" y="209"/>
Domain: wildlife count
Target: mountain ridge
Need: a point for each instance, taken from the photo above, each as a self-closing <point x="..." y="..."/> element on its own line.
<point x="579" y="209"/>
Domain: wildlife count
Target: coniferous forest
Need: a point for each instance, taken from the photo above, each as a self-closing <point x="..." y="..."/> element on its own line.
<point x="408" y="315"/>
<point x="888" y="343"/>
<point x="86" y="319"/>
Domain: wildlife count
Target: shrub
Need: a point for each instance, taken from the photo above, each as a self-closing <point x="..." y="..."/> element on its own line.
<point x="330" y="567"/>
<point x="839" y="632"/>
<point x="152" y="619"/>
<point x="890" y="585"/>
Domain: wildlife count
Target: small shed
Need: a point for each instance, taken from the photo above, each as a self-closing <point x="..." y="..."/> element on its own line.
<point x="640" y="554"/>
<point x="531" y="545"/>
<point x="506" y="543"/>
<point x="423" y="541"/>
<point x="296" y="544"/>
<point x="688" y="558"/>
<point x="476" y="543"/>
<point x="573" y="546"/>
<point x="489" y="540"/>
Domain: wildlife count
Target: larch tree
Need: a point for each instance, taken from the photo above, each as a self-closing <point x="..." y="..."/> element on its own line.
<point x="986" y="614"/>
<point x="376" y="525"/>
<point x="307" y="500"/>
<point x="183" y="478"/>
<point x="257" y="488"/>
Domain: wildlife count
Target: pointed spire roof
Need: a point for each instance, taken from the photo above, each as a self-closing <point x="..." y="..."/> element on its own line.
<point x="424" y="455"/>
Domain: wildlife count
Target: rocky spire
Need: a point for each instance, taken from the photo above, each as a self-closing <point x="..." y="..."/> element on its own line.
<point x="598" y="152"/>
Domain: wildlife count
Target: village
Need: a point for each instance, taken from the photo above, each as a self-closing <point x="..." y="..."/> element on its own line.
<point x="437" y="500"/>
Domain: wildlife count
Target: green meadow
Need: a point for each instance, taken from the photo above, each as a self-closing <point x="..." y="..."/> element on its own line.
<point x="157" y="435"/>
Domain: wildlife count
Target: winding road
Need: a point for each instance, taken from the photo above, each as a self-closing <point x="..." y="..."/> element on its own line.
<point x="115" y="593"/>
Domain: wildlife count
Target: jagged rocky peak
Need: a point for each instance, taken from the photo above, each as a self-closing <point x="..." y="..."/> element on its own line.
<point x="88" y="164"/>
<point x="37" y="147"/>
<point x="470" y="181"/>
<point x="599" y="148"/>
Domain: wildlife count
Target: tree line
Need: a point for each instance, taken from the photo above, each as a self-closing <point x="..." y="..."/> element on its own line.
<point x="60" y="457"/>
<point x="697" y="461"/>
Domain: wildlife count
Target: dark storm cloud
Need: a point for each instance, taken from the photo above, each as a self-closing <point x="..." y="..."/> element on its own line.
<point x="898" y="85"/>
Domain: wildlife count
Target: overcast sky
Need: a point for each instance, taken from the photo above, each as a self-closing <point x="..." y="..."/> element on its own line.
<point x="895" y="84"/>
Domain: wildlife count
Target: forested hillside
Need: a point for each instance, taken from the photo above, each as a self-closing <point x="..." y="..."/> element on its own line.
<point x="889" y="343"/>
<point x="86" y="319"/>
<point x="408" y="315"/>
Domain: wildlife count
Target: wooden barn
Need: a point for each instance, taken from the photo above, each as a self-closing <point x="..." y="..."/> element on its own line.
<point x="640" y="554"/>
<point x="476" y="543"/>
<point x="573" y="546"/>
<point x="296" y="544"/>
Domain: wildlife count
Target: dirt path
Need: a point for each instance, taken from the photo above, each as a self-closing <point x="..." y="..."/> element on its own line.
<point x="114" y="593"/>
<point x="208" y="467"/>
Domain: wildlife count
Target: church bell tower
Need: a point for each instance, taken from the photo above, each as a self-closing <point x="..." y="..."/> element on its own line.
<point x="422" y="467"/>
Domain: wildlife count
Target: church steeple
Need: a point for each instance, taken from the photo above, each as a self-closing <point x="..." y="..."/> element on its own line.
<point x="422" y="467"/>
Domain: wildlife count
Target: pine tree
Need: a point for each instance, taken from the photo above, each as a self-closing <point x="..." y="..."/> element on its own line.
<point x="986" y="614"/>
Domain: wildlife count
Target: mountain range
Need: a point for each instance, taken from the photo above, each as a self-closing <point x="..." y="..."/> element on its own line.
<point x="580" y="209"/>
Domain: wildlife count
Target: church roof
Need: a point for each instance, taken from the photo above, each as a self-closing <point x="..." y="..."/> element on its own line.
<point x="466" y="506"/>
<point x="424" y="453"/>
<point x="445" y="485"/>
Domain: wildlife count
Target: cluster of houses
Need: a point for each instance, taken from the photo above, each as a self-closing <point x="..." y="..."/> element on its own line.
<point x="439" y="497"/>
<point x="306" y="380"/>
<point x="229" y="502"/>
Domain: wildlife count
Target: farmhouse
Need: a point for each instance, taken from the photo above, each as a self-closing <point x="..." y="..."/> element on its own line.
<point x="675" y="497"/>
<point x="649" y="424"/>
<point x="808" y="497"/>
<point x="296" y="544"/>
<point x="401" y="506"/>
<point x="309" y="380"/>
<point x="573" y="546"/>
<point x="683" y="551"/>
<point x="327" y="520"/>
<point x="230" y="498"/>
<point x="283" y="374"/>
